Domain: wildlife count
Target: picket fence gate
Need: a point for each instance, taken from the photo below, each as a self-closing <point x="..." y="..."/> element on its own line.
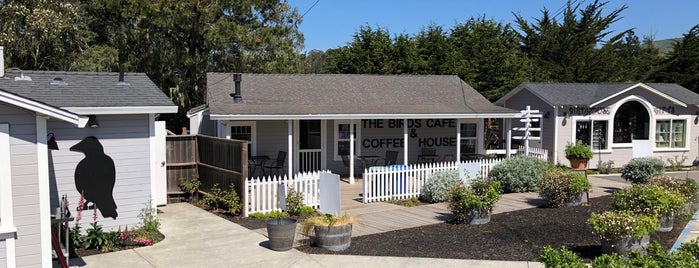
<point x="262" y="192"/>
<point x="405" y="182"/>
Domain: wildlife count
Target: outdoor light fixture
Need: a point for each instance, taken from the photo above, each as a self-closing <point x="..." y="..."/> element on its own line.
<point x="92" y="121"/>
<point x="547" y="114"/>
<point x="51" y="144"/>
<point x="566" y="115"/>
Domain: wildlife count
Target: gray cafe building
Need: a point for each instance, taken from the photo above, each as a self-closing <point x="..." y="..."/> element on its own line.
<point x="618" y="120"/>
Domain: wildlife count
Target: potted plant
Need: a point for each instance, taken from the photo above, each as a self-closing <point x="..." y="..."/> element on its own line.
<point x="650" y="200"/>
<point x="561" y="187"/>
<point x="331" y="232"/>
<point x="687" y="188"/>
<point x="473" y="203"/>
<point x="281" y="231"/>
<point x="622" y="230"/>
<point x="578" y="153"/>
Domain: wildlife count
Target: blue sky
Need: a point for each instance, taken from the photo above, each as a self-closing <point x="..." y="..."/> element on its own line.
<point x="331" y="24"/>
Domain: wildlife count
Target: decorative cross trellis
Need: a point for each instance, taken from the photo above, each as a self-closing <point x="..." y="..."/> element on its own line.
<point x="527" y="117"/>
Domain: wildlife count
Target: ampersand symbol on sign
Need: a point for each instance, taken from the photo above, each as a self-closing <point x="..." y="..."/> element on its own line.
<point x="413" y="133"/>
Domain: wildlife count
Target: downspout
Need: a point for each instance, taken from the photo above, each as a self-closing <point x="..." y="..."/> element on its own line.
<point x="555" y="134"/>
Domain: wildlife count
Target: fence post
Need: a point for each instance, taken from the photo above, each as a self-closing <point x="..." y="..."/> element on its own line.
<point x="281" y="196"/>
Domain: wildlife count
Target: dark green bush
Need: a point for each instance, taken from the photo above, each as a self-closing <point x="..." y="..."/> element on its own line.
<point x="639" y="170"/>
<point x="218" y="198"/>
<point x="479" y="195"/>
<point x="560" y="259"/>
<point x="648" y="199"/>
<point x="520" y="173"/>
<point x="558" y="184"/>
<point x="294" y="202"/>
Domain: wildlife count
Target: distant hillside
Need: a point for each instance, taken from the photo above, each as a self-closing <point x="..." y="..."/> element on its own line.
<point x="665" y="45"/>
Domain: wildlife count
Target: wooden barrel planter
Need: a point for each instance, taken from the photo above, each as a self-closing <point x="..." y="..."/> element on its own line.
<point x="333" y="238"/>
<point x="281" y="233"/>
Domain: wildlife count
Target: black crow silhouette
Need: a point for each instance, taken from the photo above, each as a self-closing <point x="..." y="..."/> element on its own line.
<point x="95" y="176"/>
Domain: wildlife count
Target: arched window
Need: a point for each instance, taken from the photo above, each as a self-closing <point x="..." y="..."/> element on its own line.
<point x="631" y="122"/>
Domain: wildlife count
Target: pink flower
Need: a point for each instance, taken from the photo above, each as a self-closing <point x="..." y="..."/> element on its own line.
<point x="81" y="203"/>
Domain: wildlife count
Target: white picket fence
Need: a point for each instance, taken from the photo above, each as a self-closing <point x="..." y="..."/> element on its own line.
<point x="262" y="192"/>
<point x="404" y="182"/>
<point x="540" y="153"/>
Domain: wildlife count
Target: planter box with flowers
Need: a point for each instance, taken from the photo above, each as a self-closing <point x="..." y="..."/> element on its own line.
<point x="579" y="154"/>
<point x="622" y="230"/>
<point x="561" y="187"/>
<point x="686" y="187"/>
<point x="473" y="203"/>
<point x="650" y="200"/>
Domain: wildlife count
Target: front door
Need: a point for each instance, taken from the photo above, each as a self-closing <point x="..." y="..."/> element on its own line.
<point x="310" y="138"/>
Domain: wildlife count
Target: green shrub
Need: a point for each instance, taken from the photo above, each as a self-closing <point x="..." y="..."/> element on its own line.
<point x="639" y="170"/>
<point x="294" y="201"/>
<point x="558" y="184"/>
<point x="578" y="150"/>
<point x="218" y="198"/>
<point x="520" y="173"/>
<point x="95" y="237"/>
<point x="307" y="211"/>
<point x="438" y="184"/>
<point x="233" y="201"/>
<point x="274" y="214"/>
<point x="649" y="200"/>
<point x="605" y="167"/>
<point x="258" y="215"/>
<point x="190" y="186"/>
<point x="551" y="257"/>
<point x="149" y="217"/>
<point x="687" y="187"/>
<point x="479" y="195"/>
<point x="609" y="261"/>
<point x="622" y="223"/>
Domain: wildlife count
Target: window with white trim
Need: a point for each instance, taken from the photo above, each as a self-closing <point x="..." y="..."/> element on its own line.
<point x="342" y="139"/>
<point x="469" y="138"/>
<point x="243" y="131"/>
<point x="670" y="133"/>
<point x="593" y="133"/>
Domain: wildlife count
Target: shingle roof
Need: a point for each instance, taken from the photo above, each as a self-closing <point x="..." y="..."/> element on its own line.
<point x="585" y="94"/>
<point x="86" y="89"/>
<point x="338" y="94"/>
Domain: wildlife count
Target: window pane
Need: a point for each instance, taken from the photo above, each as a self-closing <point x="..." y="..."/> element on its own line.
<point x="468" y="146"/>
<point x="678" y="134"/>
<point x="241" y="133"/>
<point x="468" y="130"/>
<point x="599" y="135"/>
<point x="343" y="131"/>
<point x="662" y="133"/>
<point x="582" y="132"/>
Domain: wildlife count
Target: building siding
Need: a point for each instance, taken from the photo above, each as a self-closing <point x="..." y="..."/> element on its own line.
<point x="25" y="188"/>
<point x="125" y="139"/>
<point x="525" y="98"/>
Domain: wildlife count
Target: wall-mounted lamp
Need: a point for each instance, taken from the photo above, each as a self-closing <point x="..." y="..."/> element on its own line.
<point x="51" y="143"/>
<point x="92" y="121"/>
<point x="566" y="115"/>
<point x="696" y="119"/>
<point x="547" y="114"/>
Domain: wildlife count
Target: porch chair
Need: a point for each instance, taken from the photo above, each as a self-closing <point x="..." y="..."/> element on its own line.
<point x="391" y="158"/>
<point x="346" y="163"/>
<point x="277" y="164"/>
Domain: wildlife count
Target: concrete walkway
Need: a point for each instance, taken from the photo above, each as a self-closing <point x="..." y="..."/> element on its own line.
<point x="197" y="238"/>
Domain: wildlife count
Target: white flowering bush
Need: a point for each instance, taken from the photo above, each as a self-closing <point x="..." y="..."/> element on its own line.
<point x="649" y="200"/>
<point x="558" y="184"/>
<point x="438" y="185"/>
<point x="618" y="224"/>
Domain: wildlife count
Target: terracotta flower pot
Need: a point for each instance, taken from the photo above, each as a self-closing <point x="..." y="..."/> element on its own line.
<point x="578" y="164"/>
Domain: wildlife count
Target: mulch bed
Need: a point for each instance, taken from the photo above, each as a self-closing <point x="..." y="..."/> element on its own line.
<point x="515" y="236"/>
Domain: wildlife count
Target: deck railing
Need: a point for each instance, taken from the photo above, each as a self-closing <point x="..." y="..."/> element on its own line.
<point x="403" y="182"/>
<point x="540" y="153"/>
<point x="262" y="192"/>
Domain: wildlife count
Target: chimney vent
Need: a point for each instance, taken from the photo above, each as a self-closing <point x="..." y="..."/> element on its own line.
<point x="2" y="61"/>
<point x="236" y="95"/>
<point x="57" y="81"/>
<point x="121" y="76"/>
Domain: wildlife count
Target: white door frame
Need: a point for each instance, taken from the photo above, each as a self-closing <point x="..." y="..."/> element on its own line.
<point x="323" y="145"/>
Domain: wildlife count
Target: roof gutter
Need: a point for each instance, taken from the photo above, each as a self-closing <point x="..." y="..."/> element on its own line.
<point x="44" y="109"/>
<point x="360" y="116"/>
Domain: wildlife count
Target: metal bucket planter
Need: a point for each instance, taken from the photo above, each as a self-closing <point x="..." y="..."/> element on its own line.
<point x="281" y="233"/>
<point x="479" y="216"/>
<point x="624" y="245"/>
<point x="666" y="223"/>
<point x="574" y="200"/>
<point x="333" y="238"/>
